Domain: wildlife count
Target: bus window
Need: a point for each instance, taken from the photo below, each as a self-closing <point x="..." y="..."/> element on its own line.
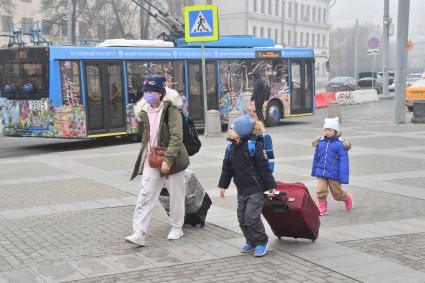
<point x="235" y="80"/>
<point x="94" y="98"/>
<point x="308" y="84"/>
<point x="36" y="75"/>
<point x="10" y="80"/>
<point x="296" y="93"/>
<point x="71" y="88"/>
<point x="115" y="96"/>
<point x="136" y="71"/>
<point x="179" y="82"/>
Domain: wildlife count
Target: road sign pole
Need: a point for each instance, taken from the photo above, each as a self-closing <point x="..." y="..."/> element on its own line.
<point x="385" y="45"/>
<point x="204" y="87"/>
<point x="401" y="63"/>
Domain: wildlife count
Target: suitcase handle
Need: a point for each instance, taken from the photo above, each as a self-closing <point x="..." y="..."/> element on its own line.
<point x="277" y="195"/>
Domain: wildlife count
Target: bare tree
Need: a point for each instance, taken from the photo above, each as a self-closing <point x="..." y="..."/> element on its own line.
<point x="7" y="6"/>
<point x="57" y="11"/>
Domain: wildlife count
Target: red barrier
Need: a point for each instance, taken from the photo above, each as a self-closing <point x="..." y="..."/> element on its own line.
<point x="331" y="96"/>
<point x="321" y="100"/>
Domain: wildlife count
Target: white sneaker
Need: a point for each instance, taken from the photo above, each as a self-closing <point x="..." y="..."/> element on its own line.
<point x="138" y="238"/>
<point x="175" y="233"/>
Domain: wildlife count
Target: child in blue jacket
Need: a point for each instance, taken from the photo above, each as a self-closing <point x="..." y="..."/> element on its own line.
<point x="331" y="166"/>
<point x="252" y="177"/>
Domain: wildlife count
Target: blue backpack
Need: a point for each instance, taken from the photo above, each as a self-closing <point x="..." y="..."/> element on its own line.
<point x="268" y="149"/>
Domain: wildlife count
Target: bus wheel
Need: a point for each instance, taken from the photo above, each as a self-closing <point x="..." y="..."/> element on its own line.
<point x="273" y="114"/>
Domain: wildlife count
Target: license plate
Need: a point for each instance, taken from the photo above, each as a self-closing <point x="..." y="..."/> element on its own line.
<point x="37" y="105"/>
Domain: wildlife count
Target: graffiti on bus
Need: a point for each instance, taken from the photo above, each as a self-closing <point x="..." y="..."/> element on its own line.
<point x="39" y="118"/>
<point x="236" y="85"/>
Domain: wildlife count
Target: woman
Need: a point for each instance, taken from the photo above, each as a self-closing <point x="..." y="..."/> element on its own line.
<point x="159" y="113"/>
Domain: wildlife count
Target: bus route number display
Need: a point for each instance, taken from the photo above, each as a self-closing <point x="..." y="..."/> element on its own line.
<point x="268" y="54"/>
<point x="37" y="105"/>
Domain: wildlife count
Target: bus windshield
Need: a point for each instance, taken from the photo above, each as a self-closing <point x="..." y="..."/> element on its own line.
<point x="24" y="74"/>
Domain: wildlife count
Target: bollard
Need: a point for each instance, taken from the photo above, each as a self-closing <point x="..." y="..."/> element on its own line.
<point x="334" y="111"/>
<point x="418" y="112"/>
<point x="233" y="115"/>
<point x="214" y="124"/>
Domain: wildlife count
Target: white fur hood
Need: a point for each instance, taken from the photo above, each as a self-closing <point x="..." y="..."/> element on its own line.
<point x="171" y="95"/>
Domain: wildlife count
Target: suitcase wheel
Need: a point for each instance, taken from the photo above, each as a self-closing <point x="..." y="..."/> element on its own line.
<point x="193" y="224"/>
<point x="202" y="224"/>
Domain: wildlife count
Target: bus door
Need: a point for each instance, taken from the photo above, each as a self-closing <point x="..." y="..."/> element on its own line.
<point x="104" y="97"/>
<point x="196" y="101"/>
<point x="301" y="87"/>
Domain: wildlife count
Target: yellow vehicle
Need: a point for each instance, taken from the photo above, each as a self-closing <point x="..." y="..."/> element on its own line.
<point x="415" y="92"/>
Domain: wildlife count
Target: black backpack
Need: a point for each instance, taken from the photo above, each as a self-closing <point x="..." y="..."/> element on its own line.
<point x="267" y="90"/>
<point x="190" y="135"/>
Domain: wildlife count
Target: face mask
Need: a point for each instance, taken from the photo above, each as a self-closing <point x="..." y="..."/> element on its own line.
<point x="151" y="98"/>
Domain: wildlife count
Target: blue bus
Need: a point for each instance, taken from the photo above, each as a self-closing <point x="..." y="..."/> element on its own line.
<point x="89" y="91"/>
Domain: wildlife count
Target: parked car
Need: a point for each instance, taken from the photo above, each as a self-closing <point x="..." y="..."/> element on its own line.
<point x="370" y="80"/>
<point x="416" y="89"/>
<point x="341" y="84"/>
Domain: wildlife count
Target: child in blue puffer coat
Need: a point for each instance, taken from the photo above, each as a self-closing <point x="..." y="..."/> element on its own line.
<point x="331" y="166"/>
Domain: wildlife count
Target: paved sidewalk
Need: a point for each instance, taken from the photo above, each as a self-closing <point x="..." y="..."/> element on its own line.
<point x="64" y="215"/>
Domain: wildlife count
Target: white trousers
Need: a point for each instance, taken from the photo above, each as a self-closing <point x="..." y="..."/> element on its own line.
<point x="150" y="188"/>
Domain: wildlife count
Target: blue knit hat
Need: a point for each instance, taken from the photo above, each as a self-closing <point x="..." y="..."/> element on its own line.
<point x="243" y="125"/>
<point x="154" y="83"/>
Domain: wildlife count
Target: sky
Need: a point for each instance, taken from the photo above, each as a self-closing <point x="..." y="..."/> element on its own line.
<point x="345" y="12"/>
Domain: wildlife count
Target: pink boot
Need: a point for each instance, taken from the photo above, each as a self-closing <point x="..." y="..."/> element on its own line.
<point x="323" y="207"/>
<point x="348" y="202"/>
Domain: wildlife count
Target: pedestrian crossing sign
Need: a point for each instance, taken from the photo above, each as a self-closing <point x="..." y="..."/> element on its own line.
<point x="201" y="23"/>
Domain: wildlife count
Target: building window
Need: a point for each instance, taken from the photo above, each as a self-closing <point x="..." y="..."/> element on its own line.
<point x="269" y="32"/>
<point x="295" y="38"/>
<point x="296" y="11"/>
<point x="254" y="31"/>
<point x="28" y="1"/>
<point x="276" y="8"/>
<point x="47" y="26"/>
<point x="312" y="40"/>
<point x="301" y="38"/>
<point x="307" y="14"/>
<point x="270" y="7"/>
<point x="324" y="16"/>
<point x="262" y="32"/>
<point x="318" y="40"/>
<point x="314" y="14"/>
<point x="255" y="6"/>
<point x="307" y="39"/>
<point x="283" y="9"/>
<point x="5" y="22"/>
<point x="263" y="5"/>
<point x="319" y="15"/>
<point x="302" y="12"/>
<point x="26" y="24"/>
<point x="276" y="36"/>
<point x="290" y="10"/>
<point x="324" y="41"/>
<point x="289" y="37"/>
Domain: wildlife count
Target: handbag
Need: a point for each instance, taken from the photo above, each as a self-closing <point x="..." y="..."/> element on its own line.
<point x="156" y="156"/>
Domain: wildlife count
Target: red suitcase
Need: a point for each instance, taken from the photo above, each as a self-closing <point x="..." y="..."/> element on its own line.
<point x="292" y="213"/>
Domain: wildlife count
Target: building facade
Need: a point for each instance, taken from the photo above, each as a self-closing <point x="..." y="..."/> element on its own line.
<point x="291" y="23"/>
